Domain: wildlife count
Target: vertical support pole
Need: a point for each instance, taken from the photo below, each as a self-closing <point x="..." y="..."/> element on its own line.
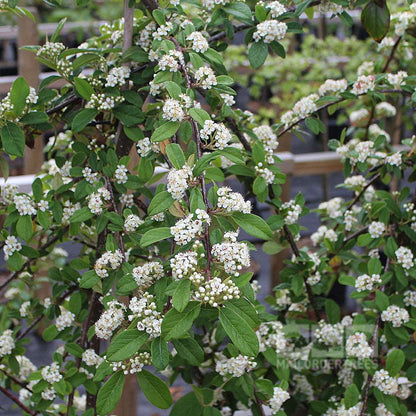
<point x="127" y="405"/>
<point x="29" y="68"/>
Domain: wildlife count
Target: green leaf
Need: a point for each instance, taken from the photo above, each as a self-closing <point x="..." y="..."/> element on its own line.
<point x="175" y="324"/>
<point x="351" y="397"/>
<point x="382" y="301"/>
<point x="13" y="139"/>
<point x="128" y="114"/>
<point x="160" y="202"/>
<point x="37" y="189"/>
<point x="257" y="54"/>
<point x="375" y="18"/>
<point x="89" y="279"/>
<point x="181" y="295"/>
<point x="395" y="361"/>
<point x="58" y="29"/>
<point x="333" y="311"/>
<point x="199" y="115"/>
<point x="211" y="411"/>
<point x="81" y="215"/>
<point x="239" y="331"/>
<point x="187" y="405"/>
<point x="126" y="344"/>
<point x="278" y="49"/>
<point x="240" y="11"/>
<point x="110" y="393"/>
<point x="155" y="390"/>
<point x="50" y="333"/>
<point x="83" y="118"/>
<point x="245" y="309"/>
<point x="24" y="227"/>
<point x="160" y="353"/>
<point x="189" y="350"/>
<point x="18" y="94"/>
<point x="175" y="155"/>
<point x="253" y="225"/>
<point x="84" y="88"/>
<point x="165" y="131"/>
<point x="155" y="235"/>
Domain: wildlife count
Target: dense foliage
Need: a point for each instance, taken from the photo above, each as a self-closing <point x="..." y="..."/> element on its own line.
<point x="146" y="132"/>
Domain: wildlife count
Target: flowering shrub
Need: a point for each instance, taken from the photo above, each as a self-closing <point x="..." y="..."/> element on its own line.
<point x="161" y="286"/>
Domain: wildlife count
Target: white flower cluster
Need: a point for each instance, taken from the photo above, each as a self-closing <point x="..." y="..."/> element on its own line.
<point x="120" y="174"/>
<point x="50" y="50"/>
<point x="279" y="397"/>
<point x="341" y="410"/>
<point x="186" y="229"/>
<point x="51" y="374"/>
<point x="24" y="205"/>
<point x="232" y="254"/>
<point x="32" y="98"/>
<point x="293" y="212"/>
<point x="385" y="109"/>
<point x="91" y="358"/>
<point x="332" y="207"/>
<point x="385" y="383"/>
<point x="117" y="76"/>
<point x="269" y="31"/>
<point x="205" y="77"/>
<point x="363" y="84"/>
<point x="396" y="315"/>
<point x="108" y="260"/>
<point x="127" y="199"/>
<point x="360" y="118"/>
<point x="232" y="201"/>
<point x="381" y="410"/>
<point x="276" y="9"/>
<point x="90" y="176"/>
<point x="145" y="146"/>
<point x="357" y="346"/>
<point x="397" y="80"/>
<point x="355" y="181"/>
<point x="323" y="233"/>
<point x="366" y="282"/>
<point x="215" y="292"/>
<point x="162" y="31"/>
<point x="376" y="229"/>
<point x="264" y="173"/>
<point x="327" y="6"/>
<point x="103" y="102"/>
<point x="333" y="87"/>
<point x="405" y="257"/>
<point x="305" y="106"/>
<point x="178" y="181"/>
<point x="24" y="309"/>
<point x="97" y="200"/>
<point x="11" y="245"/>
<point x="65" y="319"/>
<point x="271" y="335"/>
<point x="228" y="99"/>
<point x="147" y="274"/>
<point x="144" y="309"/>
<point x="184" y="264"/>
<point x="48" y="394"/>
<point x="216" y="134"/>
<point x="132" y="223"/>
<point x="210" y="4"/>
<point x="394" y="159"/>
<point x="135" y="364"/>
<point x="172" y="110"/>
<point x="199" y="43"/>
<point x="267" y="136"/>
<point x="331" y="334"/>
<point x="26" y="367"/>
<point x="6" y="342"/>
<point x="68" y="210"/>
<point x="171" y="61"/>
<point x="234" y="366"/>
<point x="410" y="298"/>
<point x="110" y="320"/>
<point x="7" y="193"/>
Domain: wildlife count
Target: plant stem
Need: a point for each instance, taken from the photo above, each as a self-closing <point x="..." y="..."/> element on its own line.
<point x="17" y="401"/>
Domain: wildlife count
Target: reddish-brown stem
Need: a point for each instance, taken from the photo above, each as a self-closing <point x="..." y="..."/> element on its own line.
<point x="17" y="401"/>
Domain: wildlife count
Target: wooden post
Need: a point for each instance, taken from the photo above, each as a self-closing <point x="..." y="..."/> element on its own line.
<point x="29" y="68"/>
<point x="127" y="405"/>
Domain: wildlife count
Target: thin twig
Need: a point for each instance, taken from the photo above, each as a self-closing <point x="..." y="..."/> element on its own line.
<point x="360" y="194"/>
<point x="391" y="56"/>
<point x="17" y="401"/>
